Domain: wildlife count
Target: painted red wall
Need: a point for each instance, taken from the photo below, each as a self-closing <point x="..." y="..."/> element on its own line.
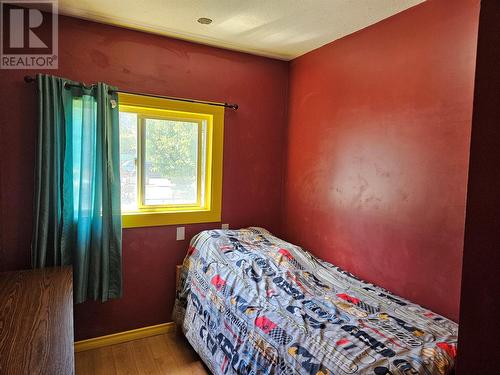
<point x="253" y="151"/>
<point x="378" y="146"/>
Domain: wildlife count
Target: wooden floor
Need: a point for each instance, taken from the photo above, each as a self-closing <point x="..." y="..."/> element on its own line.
<point x="163" y="354"/>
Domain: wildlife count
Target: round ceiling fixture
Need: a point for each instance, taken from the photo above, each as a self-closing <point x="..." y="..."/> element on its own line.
<point x="204" y="21"/>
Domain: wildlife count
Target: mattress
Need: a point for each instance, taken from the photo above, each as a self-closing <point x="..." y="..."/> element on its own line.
<point x="251" y="303"/>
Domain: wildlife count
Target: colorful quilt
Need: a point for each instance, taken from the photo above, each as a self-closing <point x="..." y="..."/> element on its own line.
<point x="250" y="303"/>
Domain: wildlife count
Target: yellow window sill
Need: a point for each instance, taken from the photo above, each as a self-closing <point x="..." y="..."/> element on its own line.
<point x="153" y="219"/>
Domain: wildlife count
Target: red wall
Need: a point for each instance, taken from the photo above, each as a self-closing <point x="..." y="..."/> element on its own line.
<point x="378" y="145"/>
<point x="253" y="150"/>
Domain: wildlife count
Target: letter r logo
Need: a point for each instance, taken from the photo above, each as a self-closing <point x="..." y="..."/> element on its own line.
<point x="18" y="28"/>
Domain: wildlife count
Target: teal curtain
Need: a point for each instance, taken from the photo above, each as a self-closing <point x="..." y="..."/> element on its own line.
<point x="77" y="218"/>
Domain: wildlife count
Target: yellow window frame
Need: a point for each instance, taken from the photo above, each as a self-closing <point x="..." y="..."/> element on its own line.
<point x="213" y="118"/>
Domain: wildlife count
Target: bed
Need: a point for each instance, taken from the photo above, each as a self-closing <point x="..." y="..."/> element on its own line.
<point x="251" y="303"/>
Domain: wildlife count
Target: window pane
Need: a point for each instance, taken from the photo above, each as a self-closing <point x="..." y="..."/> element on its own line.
<point x="128" y="160"/>
<point x="203" y="161"/>
<point x="171" y="162"/>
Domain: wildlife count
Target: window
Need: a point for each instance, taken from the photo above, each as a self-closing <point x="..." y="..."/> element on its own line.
<point x="170" y="161"/>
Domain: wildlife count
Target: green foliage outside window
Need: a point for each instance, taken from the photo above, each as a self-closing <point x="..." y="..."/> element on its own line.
<point x="171" y="150"/>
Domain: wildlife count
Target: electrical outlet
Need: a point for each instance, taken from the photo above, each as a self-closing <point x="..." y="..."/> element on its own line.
<point x="225" y="226"/>
<point x="181" y="233"/>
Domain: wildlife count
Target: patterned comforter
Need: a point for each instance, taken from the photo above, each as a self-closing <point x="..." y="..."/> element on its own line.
<point x="250" y="303"/>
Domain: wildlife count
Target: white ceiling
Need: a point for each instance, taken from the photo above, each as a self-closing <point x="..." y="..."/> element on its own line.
<point x="281" y="29"/>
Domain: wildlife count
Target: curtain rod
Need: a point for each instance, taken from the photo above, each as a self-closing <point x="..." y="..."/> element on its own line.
<point x="29" y="79"/>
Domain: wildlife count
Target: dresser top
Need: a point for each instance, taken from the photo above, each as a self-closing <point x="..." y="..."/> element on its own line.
<point x="36" y="322"/>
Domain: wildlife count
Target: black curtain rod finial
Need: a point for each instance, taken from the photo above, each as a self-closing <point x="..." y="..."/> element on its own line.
<point x="29" y="79"/>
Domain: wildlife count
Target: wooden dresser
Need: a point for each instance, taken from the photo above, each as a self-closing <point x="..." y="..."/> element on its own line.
<point x="36" y="322"/>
